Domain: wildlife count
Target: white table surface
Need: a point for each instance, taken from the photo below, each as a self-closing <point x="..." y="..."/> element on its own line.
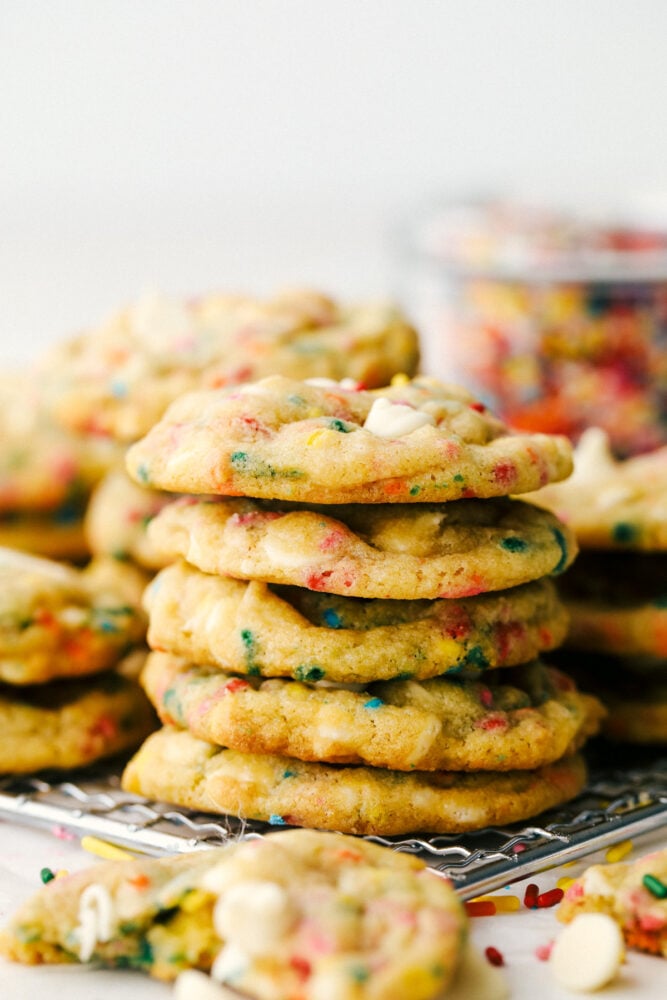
<point x="24" y="851"/>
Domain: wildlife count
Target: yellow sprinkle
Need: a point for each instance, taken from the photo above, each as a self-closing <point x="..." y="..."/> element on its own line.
<point x="105" y="850"/>
<point x="400" y="379"/>
<point x="503" y="904"/>
<point x="194" y="900"/>
<point x="61" y="873"/>
<point x="316" y="437"/>
<point x="565" y="882"/>
<point x="618" y="851"/>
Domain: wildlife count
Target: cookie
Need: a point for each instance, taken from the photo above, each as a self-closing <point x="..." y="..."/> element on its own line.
<point x="44" y="468"/>
<point x="56" y="621"/>
<point x="610" y="503"/>
<point x="174" y="766"/>
<point x="297" y="913"/>
<point x="519" y="719"/>
<point x="68" y="724"/>
<point x="278" y="438"/>
<point x="633" y="690"/>
<point x="117" y="520"/>
<point x="119" y="378"/>
<point x="633" y="893"/>
<point x="618" y="603"/>
<point x="45" y="535"/>
<point x="403" y="551"/>
<point x="251" y="628"/>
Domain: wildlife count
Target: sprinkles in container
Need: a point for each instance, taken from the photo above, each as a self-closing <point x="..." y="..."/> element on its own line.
<point x="556" y="321"/>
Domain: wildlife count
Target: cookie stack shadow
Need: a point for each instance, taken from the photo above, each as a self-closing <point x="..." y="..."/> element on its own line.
<point x="348" y="634"/>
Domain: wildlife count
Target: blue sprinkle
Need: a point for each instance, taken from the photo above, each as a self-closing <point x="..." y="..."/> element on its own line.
<point x="374" y="703"/>
<point x="118" y="389"/>
<point x="332" y="618"/>
<point x="276" y="820"/>
<point x="289" y="774"/>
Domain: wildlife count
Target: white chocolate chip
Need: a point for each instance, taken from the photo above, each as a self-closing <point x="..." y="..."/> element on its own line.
<point x="387" y="419"/>
<point x="195" y="985"/>
<point x="254" y="915"/>
<point x="587" y="953"/>
<point x="95" y="919"/>
<point x="231" y="963"/>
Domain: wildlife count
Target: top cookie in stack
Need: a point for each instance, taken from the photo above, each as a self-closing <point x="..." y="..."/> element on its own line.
<point x="344" y="492"/>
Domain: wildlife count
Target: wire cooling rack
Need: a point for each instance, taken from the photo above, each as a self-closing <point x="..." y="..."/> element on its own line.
<point x="617" y="804"/>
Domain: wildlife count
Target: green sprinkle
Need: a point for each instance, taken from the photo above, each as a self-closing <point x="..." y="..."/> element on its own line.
<point x="458" y="478"/>
<point x="239" y="459"/>
<point x="415" y="491"/>
<point x="655" y="886"/>
<point x="625" y="533"/>
<point x="308" y="673"/>
<point x="339" y="425"/>
<point x="513" y="544"/>
<point x="359" y="973"/>
<point x="289" y="774"/>
<point x="562" y="562"/>
<point x="46" y="875"/>
<point x="142" y="473"/>
<point x="475" y="657"/>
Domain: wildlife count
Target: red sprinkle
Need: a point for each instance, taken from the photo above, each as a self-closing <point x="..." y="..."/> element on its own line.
<point x="235" y="684"/>
<point x="549" y="898"/>
<point x="531" y="895"/>
<point x="543" y="951"/>
<point x="301" y="966"/>
<point x="480" y="908"/>
<point x="493" y="956"/>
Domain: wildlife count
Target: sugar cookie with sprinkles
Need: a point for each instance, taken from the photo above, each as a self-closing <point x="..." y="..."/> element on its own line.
<point x="56" y="621"/>
<point x="251" y="628"/>
<point x="296" y="913"/>
<point x="611" y="503"/>
<point x="58" y="535"/>
<point x="414" y="441"/>
<point x="633" y="893"/>
<point x="404" y="551"/>
<point x="174" y="766"/>
<point x="119" y="378"/>
<point x="44" y="468"/>
<point x="70" y="724"/>
<point x="117" y="520"/>
<point x="521" y="718"/>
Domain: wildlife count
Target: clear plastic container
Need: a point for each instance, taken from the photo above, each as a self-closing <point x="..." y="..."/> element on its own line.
<point x="556" y="321"/>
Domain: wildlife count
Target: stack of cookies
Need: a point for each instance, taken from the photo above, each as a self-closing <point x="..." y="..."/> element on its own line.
<point x="616" y="592"/>
<point x="70" y="652"/>
<point x="328" y="635"/>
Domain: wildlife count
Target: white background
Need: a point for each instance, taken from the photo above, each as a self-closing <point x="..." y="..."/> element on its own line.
<point x="186" y="145"/>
